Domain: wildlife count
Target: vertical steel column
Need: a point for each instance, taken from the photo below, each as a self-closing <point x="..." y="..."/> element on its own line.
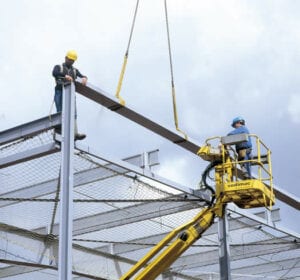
<point x="145" y="158"/>
<point x="224" y="253"/>
<point x="66" y="193"/>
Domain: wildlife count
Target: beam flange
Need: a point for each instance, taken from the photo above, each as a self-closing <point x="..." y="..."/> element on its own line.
<point x="112" y="103"/>
<point x="236" y="223"/>
<point x="30" y="129"/>
<point x="146" y="173"/>
<point x="243" y="212"/>
<point x="34" y="153"/>
<point x="101" y="97"/>
<point x="123" y="216"/>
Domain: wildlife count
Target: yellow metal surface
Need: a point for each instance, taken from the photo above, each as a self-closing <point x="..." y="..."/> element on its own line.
<point x="248" y="193"/>
<point x="209" y="153"/>
<point x="175" y="113"/>
<point x="171" y="247"/>
<point x="121" y="100"/>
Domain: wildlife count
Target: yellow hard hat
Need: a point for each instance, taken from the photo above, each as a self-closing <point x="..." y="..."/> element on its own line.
<point x="72" y="55"/>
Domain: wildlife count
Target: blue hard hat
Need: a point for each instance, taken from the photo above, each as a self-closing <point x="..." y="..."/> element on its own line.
<point x="238" y="119"/>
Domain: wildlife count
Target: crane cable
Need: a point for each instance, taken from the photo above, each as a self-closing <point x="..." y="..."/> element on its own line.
<point x="121" y="100"/>
<point x="172" y="75"/>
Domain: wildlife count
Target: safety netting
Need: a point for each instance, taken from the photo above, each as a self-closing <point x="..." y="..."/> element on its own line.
<point x="119" y="214"/>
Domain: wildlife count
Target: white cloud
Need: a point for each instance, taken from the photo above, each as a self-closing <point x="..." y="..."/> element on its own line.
<point x="174" y="169"/>
<point x="294" y="108"/>
<point x="230" y="58"/>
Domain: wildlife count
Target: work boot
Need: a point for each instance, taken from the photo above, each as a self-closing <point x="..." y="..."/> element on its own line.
<point x="79" y="136"/>
<point x="245" y="172"/>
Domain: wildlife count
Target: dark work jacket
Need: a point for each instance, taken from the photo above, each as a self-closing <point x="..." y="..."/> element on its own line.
<point x="244" y="145"/>
<point x="60" y="71"/>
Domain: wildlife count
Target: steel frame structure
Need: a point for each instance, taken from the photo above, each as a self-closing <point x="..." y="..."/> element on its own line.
<point x="101" y="97"/>
<point x="87" y="225"/>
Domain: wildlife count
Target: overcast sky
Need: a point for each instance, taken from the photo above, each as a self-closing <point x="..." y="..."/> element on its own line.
<point x="230" y="58"/>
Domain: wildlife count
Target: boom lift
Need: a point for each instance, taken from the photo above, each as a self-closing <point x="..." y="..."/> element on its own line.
<point x="229" y="187"/>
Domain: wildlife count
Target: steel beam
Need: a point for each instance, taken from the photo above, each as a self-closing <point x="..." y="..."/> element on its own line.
<point x="124" y="216"/>
<point x="112" y="103"/>
<point x="80" y="178"/>
<point x="261" y="221"/>
<point x="287" y="197"/>
<point x="205" y="258"/>
<point x="192" y="260"/>
<point x="16" y="269"/>
<point x="101" y="97"/>
<point x="146" y="173"/>
<point x="224" y="250"/>
<point x="264" y="269"/>
<point x="23" y="267"/>
<point x="34" y="153"/>
<point x="246" y="219"/>
<point x="30" y="129"/>
<point x="67" y="185"/>
<point x="236" y="223"/>
<point x="39" y="239"/>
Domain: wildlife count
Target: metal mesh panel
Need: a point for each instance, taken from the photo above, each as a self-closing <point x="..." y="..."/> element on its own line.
<point x="119" y="215"/>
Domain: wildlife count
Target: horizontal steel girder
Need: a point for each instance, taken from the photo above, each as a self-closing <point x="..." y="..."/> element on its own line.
<point x="112" y="103"/>
<point x="80" y="178"/>
<point x="31" y="154"/>
<point x="235" y="224"/>
<point x="124" y="216"/>
<point x="38" y="241"/>
<point x="30" y="129"/>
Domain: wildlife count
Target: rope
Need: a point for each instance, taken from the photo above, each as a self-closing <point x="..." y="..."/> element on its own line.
<point x="56" y="200"/>
<point x="131" y="242"/>
<point x="121" y="100"/>
<point x="172" y="74"/>
<point x="264" y="243"/>
<point x="50" y="236"/>
<point x="44" y="266"/>
<point x="51" y="107"/>
<point x="103" y="200"/>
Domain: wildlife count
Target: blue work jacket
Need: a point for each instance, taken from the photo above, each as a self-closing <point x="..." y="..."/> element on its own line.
<point x="244" y="145"/>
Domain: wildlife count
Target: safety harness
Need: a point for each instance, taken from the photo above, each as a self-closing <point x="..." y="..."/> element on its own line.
<point x="64" y="70"/>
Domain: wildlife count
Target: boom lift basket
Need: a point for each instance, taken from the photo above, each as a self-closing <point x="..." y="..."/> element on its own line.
<point x="230" y="187"/>
<point x="248" y="194"/>
<point x="230" y="183"/>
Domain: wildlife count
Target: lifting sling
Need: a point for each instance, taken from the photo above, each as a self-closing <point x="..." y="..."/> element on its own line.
<point x="121" y="100"/>
<point x="172" y="75"/>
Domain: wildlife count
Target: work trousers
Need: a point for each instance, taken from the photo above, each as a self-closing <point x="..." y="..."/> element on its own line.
<point x="245" y="154"/>
<point x="58" y="100"/>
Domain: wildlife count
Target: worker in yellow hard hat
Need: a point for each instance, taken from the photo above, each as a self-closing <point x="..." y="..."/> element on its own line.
<point x="64" y="74"/>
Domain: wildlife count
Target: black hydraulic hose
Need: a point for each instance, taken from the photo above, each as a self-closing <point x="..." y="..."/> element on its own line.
<point x="204" y="178"/>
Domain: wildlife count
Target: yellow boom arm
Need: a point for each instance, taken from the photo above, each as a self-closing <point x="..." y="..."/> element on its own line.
<point x="246" y="193"/>
<point x="172" y="246"/>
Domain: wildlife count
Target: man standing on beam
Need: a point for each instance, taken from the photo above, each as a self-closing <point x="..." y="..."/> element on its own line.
<point x="64" y="75"/>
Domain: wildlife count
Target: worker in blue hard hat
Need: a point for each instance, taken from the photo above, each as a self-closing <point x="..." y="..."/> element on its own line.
<point x="64" y="74"/>
<point x="243" y="149"/>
